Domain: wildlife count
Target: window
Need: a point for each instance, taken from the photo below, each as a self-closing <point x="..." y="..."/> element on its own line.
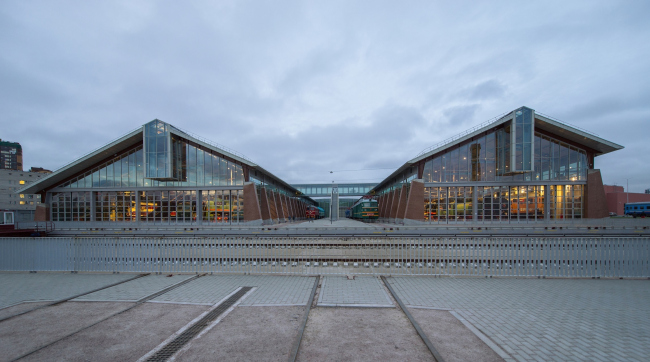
<point x="22" y="196"/>
<point x="22" y="202"/>
<point x="22" y="182"/>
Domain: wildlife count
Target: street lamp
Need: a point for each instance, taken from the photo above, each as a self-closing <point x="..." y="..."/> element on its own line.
<point x="627" y="193"/>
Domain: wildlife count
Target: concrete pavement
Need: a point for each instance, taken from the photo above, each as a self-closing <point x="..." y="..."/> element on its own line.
<point x="465" y="318"/>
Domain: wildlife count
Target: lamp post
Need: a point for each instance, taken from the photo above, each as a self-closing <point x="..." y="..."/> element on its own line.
<point x="627" y="190"/>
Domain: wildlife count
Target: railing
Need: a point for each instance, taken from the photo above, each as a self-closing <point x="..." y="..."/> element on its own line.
<point x="493" y="120"/>
<point x="566" y="123"/>
<point x="212" y="143"/>
<point x="38" y="226"/>
<point x="478" y="257"/>
<point x="462" y="134"/>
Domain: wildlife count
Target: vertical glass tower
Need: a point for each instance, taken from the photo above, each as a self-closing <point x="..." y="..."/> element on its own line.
<point x="522" y="138"/>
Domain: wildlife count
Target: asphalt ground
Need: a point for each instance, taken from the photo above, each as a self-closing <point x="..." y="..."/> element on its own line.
<point x="351" y="318"/>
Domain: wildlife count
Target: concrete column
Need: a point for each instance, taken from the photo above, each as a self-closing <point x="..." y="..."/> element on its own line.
<point x="285" y="207"/>
<point x="394" y="205"/>
<point x="272" y="206"/>
<point x="389" y="204"/>
<point x="199" y="206"/>
<point x="475" y="203"/>
<point x="415" y="204"/>
<point x="401" y="204"/>
<point x="279" y="207"/>
<point x="595" y="198"/>
<point x="265" y="207"/>
<point x="42" y="213"/>
<point x="252" y="209"/>
<point x="547" y="202"/>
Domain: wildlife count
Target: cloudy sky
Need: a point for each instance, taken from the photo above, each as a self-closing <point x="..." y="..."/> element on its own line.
<point x="304" y="88"/>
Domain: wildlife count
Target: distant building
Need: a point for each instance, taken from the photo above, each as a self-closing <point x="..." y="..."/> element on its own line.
<point x="522" y="167"/>
<point x="23" y="205"/>
<point x="647" y="191"/>
<point x="160" y="175"/>
<point x="617" y="197"/>
<point x="11" y="156"/>
<point x="40" y="170"/>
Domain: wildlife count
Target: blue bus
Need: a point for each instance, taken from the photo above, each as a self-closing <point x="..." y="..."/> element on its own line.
<point x="635" y="209"/>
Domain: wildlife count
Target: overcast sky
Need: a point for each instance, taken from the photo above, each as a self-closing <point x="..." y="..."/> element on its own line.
<point x="306" y="88"/>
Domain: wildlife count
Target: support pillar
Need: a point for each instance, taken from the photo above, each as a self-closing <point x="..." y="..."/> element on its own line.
<point x="594" y="196"/>
<point x="414" y="213"/>
<point x="394" y="205"/>
<point x="401" y="205"/>
<point x="252" y="209"/>
<point x="272" y="206"/>
<point x="265" y="207"/>
<point x="279" y="206"/>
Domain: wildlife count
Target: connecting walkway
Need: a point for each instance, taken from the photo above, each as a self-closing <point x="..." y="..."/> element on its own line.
<point x="141" y="317"/>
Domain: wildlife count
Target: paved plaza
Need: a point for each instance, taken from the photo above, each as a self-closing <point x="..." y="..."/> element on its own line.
<point x="512" y="319"/>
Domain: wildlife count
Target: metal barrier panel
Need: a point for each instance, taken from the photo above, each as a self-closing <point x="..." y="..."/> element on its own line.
<point x="566" y="257"/>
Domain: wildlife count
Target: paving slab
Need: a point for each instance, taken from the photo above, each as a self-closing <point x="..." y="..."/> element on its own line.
<point x="361" y="334"/>
<point x="272" y="290"/>
<point x="248" y="333"/>
<point x="136" y="289"/>
<point x="30" y="331"/>
<point x="21" y="287"/>
<point x="360" y="291"/>
<point x="125" y="337"/>
<point x="19" y="308"/>
<point x="453" y="340"/>
<point x="545" y="319"/>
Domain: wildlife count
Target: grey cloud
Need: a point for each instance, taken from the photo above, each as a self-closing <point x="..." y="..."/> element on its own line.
<point x="488" y="90"/>
<point x="460" y="115"/>
<point x="316" y="87"/>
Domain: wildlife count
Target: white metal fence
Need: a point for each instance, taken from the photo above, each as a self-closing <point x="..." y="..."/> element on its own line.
<point x="516" y="256"/>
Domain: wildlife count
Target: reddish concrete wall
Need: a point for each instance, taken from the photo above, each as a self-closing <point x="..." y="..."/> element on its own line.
<point x="252" y="210"/>
<point x="265" y="206"/>
<point x="401" y="204"/>
<point x="612" y="189"/>
<point x="272" y="206"/>
<point x="42" y="213"/>
<point x="616" y="201"/>
<point x="278" y="205"/>
<point x="285" y="207"/>
<point x="394" y="204"/>
<point x="595" y="200"/>
<point x="415" y="203"/>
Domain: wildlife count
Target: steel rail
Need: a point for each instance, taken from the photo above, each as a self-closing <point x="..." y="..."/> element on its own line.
<point x="436" y="355"/>
<point x="139" y="302"/>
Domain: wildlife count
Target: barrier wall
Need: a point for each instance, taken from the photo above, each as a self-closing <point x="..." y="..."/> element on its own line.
<point x="480" y="256"/>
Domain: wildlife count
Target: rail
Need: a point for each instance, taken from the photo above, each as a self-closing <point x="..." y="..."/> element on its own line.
<point x="490" y="121"/>
<point x="38" y="226"/>
<point x="212" y="143"/>
<point x="579" y="257"/>
<point x="462" y="134"/>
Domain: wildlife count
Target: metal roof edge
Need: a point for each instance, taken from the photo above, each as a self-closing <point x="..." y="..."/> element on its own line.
<point x="577" y="131"/>
<point x="32" y="188"/>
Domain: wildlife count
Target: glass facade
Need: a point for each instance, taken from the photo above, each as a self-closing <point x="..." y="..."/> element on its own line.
<point x="200" y="167"/>
<point x="484" y="159"/>
<point x="522" y="140"/>
<point x="522" y="203"/>
<point x="133" y="186"/>
<point x="510" y="173"/>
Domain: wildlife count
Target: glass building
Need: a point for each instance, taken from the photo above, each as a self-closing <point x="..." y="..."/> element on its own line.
<point x="522" y="167"/>
<point x="160" y="175"/>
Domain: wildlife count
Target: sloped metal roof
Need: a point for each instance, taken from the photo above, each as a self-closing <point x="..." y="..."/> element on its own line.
<point x="130" y="139"/>
<point x="542" y="122"/>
